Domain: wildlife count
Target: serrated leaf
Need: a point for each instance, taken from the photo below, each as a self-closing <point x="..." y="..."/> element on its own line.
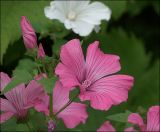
<point x="11" y="12"/>
<point x="19" y="76"/>
<point x="121" y="117"/>
<point x="48" y="83"/>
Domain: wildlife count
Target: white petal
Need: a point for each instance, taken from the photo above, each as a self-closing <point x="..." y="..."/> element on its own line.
<point x="94" y="13"/>
<point x="82" y="28"/>
<point x="78" y="6"/>
<point x="68" y="24"/>
<point x="55" y="12"/>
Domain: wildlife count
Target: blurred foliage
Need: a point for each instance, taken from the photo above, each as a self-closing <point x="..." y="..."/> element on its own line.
<point x="145" y="26"/>
<point x="11" y="12"/>
<point x="132" y="33"/>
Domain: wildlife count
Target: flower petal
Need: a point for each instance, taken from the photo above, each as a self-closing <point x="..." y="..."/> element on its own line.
<point x="34" y="93"/>
<point x="73" y="115"/>
<point x="71" y="70"/>
<point x="136" y="119"/>
<point x="77" y="6"/>
<point x="108" y="91"/>
<point x="99" y="64"/>
<point x="17" y="97"/>
<point x="5" y="116"/>
<point x="55" y="11"/>
<point x="6" y="106"/>
<point x="60" y="96"/>
<point x="81" y="27"/>
<point x="43" y="105"/>
<point x="153" y="119"/>
<point x="106" y="127"/>
<point x="67" y="77"/>
<point x="69" y="114"/>
<point x="94" y="13"/>
<point x="130" y="129"/>
<point x="4" y="80"/>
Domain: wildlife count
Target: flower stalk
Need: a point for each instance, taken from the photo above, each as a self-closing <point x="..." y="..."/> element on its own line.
<point x="67" y="104"/>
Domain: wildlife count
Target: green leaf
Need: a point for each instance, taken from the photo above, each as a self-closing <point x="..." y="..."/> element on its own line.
<point x="37" y="121"/>
<point x="19" y="76"/>
<point x="11" y="12"/>
<point x="27" y="64"/>
<point x="48" y="84"/>
<point x="11" y="125"/>
<point x="121" y="117"/>
<point x="117" y="7"/>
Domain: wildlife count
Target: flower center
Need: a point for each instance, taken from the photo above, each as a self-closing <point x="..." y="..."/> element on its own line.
<point x="86" y="83"/>
<point x="71" y="15"/>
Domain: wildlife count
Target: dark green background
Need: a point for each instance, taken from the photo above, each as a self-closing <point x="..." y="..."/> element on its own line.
<point x="133" y="33"/>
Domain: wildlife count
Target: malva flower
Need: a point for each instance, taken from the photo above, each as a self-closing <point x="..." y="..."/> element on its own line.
<point x="74" y="113"/>
<point x="28" y="33"/>
<point x="80" y="16"/>
<point x="106" y="127"/>
<point x="92" y="75"/>
<point x="20" y="99"/>
<point x="41" y="53"/>
<point x="153" y="121"/>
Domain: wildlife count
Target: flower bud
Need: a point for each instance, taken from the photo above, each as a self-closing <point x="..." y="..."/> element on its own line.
<point x="51" y="125"/>
<point x="29" y="35"/>
<point x="41" y="53"/>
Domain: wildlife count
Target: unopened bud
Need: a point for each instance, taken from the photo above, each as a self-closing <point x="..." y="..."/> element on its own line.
<point x="51" y="126"/>
<point x="29" y="35"/>
<point x="41" y="53"/>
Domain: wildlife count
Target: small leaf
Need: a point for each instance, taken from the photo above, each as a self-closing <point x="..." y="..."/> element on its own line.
<point x="26" y="64"/>
<point x="48" y="83"/>
<point x="121" y="117"/>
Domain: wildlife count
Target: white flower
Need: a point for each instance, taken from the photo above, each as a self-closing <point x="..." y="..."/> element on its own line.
<point x="80" y="16"/>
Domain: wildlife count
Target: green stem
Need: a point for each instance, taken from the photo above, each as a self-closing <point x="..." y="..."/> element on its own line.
<point x="66" y="105"/>
<point x="44" y="68"/>
<point x="51" y="106"/>
<point x="35" y="59"/>
<point x="28" y="126"/>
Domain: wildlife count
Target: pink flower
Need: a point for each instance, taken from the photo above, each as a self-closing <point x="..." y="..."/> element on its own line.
<point x="41" y="53"/>
<point x="106" y="127"/>
<point x="92" y="75"/>
<point x="20" y="99"/>
<point x="153" y="120"/>
<point x="72" y="115"/>
<point x="29" y="35"/>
